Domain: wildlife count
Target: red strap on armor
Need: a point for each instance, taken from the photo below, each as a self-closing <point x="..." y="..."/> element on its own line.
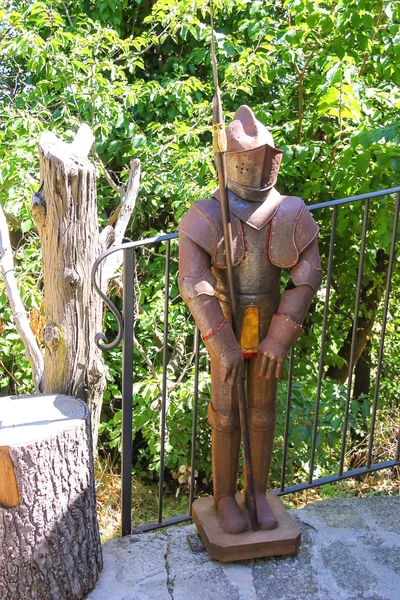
<point x="268" y="241"/>
<point x="213" y="332"/>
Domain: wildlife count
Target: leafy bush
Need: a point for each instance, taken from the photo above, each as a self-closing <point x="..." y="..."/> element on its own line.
<point x="325" y="80"/>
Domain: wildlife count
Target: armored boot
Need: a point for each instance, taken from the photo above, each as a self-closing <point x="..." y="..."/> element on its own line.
<point x="261" y="414"/>
<point x="261" y="430"/>
<point x="225" y="456"/>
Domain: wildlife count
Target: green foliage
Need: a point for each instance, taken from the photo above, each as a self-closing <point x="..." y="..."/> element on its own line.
<point x="322" y="75"/>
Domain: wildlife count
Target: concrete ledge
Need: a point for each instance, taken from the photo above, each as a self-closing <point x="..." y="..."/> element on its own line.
<point x="350" y="549"/>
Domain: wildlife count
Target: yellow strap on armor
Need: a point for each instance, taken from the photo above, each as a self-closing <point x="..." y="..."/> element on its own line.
<point x="249" y="337"/>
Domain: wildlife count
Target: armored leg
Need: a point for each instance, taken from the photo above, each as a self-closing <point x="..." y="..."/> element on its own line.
<point x="223" y="415"/>
<point x="261" y="399"/>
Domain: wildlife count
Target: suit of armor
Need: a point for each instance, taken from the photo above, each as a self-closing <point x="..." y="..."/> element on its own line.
<point x="270" y="232"/>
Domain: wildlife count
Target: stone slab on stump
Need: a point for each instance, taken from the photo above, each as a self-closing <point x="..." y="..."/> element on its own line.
<point x="49" y="538"/>
<point x="350" y="550"/>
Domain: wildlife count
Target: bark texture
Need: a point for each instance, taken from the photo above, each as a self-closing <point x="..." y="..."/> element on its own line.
<point x="49" y="543"/>
<point x="65" y="212"/>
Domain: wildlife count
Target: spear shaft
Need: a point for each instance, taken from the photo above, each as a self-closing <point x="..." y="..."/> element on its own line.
<point x="220" y="146"/>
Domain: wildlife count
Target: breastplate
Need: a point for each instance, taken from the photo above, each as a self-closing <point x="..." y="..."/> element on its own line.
<point x="257" y="279"/>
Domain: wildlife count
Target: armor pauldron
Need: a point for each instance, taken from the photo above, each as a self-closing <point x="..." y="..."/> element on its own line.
<point x="191" y="287"/>
<point x="260" y="419"/>
<point x="203" y="225"/>
<point x="223" y="421"/>
<point x="304" y="273"/>
<point x="292" y="230"/>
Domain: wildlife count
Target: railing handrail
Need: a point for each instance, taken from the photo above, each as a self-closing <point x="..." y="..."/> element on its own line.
<point x="172" y="236"/>
<point x="126" y="333"/>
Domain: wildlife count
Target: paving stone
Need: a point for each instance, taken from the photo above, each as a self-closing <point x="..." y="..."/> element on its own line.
<point x="350" y="551"/>
<point x="134" y="569"/>
<point x="192" y="574"/>
<point x="390" y="558"/>
<point x="366" y="596"/>
<point x="241" y="577"/>
<point x="350" y="574"/>
<point x="372" y="510"/>
<point x="288" y="578"/>
<point x="337" y="513"/>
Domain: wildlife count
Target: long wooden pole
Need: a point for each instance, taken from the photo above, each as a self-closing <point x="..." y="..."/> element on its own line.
<point x="219" y="146"/>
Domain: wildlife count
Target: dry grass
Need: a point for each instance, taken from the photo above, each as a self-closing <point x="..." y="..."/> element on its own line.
<point x="145" y="498"/>
<point x="380" y="483"/>
<point x="108" y="490"/>
<point x="144" y="502"/>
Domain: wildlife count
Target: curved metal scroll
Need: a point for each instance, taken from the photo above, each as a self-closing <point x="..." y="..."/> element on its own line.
<point x="100" y="336"/>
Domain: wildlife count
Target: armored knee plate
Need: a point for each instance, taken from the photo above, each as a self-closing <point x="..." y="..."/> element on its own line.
<point x="261" y="419"/>
<point x="224" y="421"/>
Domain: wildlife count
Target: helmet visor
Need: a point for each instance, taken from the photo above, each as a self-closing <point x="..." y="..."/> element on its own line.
<point x="256" y="168"/>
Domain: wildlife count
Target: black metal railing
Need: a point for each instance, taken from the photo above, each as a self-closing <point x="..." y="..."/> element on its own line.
<point x="126" y="334"/>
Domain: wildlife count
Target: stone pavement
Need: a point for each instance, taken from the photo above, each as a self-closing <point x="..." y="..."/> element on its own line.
<point x="350" y="549"/>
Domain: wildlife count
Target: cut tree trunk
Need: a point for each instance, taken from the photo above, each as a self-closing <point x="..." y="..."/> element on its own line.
<point x="49" y="539"/>
<point x="65" y="212"/>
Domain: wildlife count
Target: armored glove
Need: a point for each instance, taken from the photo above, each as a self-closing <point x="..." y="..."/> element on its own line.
<point x="282" y="334"/>
<point x="222" y="343"/>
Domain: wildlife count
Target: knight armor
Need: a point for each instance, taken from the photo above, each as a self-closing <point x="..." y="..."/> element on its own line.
<point x="270" y="232"/>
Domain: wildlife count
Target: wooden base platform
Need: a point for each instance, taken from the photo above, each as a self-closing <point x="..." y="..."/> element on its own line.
<point x="226" y="547"/>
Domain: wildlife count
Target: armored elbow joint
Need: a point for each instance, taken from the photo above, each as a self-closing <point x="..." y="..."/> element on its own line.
<point x="305" y="273"/>
<point x="191" y="287"/>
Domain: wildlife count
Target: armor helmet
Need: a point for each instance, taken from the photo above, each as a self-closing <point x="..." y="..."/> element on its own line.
<point x="252" y="161"/>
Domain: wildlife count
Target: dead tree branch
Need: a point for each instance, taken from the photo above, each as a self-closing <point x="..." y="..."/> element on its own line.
<point x="31" y="346"/>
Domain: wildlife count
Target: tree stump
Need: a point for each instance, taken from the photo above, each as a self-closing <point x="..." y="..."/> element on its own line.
<point x="49" y="538"/>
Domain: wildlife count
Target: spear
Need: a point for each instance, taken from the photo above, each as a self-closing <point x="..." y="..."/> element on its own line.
<point x="219" y="147"/>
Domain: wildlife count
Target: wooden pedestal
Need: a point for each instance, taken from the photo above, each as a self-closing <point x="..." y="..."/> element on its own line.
<point x="226" y="547"/>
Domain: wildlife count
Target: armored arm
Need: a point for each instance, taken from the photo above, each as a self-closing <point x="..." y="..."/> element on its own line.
<point x="197" y="286"/>
<point x="285" y="328"/>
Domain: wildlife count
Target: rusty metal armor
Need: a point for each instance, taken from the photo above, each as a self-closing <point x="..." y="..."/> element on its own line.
<point x="270" y="232"/>
<point x="267" y="237"/>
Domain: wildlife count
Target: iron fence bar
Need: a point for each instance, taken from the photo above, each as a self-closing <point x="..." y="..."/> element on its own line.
<point x="342" y="201"/>
<point x="164" y="381"/>
<point x="127" y="376"/>
<point x="287" y="419"/>
<point x="173" y="236"/>
<point x="300" y="487"/>
<point x="383" y="330"/>
<point x="127" y="383"/>
<point x="354" y="335"/>
<point x="398" y="446"/>
<point x="337" y="477"/>
<point x="167" y="523"/>
<point x="323" y="343"/>
<point x="194" y="421"/>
